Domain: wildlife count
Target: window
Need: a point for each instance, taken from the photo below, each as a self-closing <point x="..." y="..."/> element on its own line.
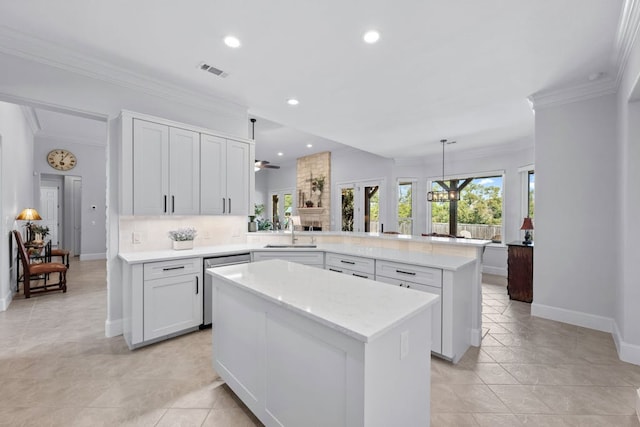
<point x="360" y="206"/>
<point x="478" y="213"/>
<point x="405" y="207"/>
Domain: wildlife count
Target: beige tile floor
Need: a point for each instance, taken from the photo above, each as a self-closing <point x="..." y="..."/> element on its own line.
<point x="58" y="369"/>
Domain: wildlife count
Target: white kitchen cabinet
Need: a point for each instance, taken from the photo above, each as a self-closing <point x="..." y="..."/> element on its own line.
<point x="351" y="265"/>
<point x="166" y="170"/>
<point x="225" y="172"/>
<point x="451" y="317"/>
<point x="161" y="300"/>
<point x="312" y="258"/>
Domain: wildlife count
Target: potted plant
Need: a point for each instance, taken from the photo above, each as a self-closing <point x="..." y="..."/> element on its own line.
<point x="183" y="237"/>
<point x="39" y="232"/>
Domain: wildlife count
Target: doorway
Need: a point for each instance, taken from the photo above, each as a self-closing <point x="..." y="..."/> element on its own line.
<point x="360" y="206"/>
<point x="60" y="208"/>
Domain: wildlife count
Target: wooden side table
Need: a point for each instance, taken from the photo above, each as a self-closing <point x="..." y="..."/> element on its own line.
<point x="520" y="271"/>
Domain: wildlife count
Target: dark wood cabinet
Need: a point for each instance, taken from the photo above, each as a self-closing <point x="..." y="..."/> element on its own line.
<point x="520" y="271"/>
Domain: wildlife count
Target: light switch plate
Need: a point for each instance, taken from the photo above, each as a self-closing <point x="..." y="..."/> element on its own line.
<point x="136" y="237"/>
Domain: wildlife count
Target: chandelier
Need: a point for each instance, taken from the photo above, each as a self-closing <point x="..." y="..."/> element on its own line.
<point x="448" y="194"/>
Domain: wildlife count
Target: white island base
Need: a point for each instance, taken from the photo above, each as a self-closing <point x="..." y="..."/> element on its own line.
<point x="303" y="346"/>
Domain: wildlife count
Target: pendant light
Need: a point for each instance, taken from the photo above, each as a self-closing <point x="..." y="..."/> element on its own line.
<point x="445" y="195"/>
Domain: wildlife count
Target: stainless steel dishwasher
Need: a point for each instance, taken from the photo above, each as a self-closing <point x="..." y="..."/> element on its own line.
<point x="218" y="261"/>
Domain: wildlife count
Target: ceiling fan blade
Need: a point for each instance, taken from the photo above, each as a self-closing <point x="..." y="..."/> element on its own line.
<point x="271" y="167"/>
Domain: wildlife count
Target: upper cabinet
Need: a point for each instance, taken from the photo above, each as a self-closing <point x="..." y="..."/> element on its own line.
<point x="166" y="170"/>
<point x="169" y="168"/>
<point x="225" y="172"/>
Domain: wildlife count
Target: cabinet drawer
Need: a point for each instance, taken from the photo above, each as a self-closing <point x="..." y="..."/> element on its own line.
<point x="350" y="272"/>
<point x="417" y="274"/>
<point x="301" y="257"/>
<point x="355" y="263"/>
<point x="177" y="267"/>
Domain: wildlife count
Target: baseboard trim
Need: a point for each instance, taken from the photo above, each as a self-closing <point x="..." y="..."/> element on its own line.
<point x="578" y="318"/>
<point x="92" y="257"/>
<point x="476" y="337"/>
<point x="626" y="352"/>
<point x="113" y="328"/>
<point x="5" y="301"/>
<point x="498" y="271"/>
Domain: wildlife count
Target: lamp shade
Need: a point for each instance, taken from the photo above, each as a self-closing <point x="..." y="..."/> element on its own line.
<point x="29" y="214"/>
<point x="527" y="224"/>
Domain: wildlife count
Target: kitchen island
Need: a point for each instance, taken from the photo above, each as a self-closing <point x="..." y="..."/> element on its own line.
<point x="304" y="346"/>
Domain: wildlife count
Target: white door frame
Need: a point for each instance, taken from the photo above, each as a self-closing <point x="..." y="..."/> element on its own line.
<point x="358" y="202"/>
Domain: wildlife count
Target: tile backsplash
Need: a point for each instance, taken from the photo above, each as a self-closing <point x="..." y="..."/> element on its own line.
<point x="152" y="231"/>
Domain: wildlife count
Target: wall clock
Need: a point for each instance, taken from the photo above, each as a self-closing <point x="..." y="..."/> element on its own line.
<point x="61" y="159"/>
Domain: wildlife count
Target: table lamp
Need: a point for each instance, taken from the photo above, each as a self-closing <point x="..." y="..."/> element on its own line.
<point x="28" y="214"/>
<point x="527" y="225"/>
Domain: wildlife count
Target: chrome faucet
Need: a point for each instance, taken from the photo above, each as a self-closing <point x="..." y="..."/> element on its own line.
<point x="293" y="233"/>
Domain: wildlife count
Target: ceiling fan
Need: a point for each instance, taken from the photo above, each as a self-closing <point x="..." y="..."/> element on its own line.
<point x="263" y="164"/>
<point x="260" y="164"/>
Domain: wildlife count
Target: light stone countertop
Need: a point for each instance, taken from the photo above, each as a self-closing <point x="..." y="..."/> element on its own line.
<point x="445" y="262"/>
<point x="357" y="307"/>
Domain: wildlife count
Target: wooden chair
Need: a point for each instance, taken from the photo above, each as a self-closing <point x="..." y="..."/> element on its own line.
<point x="33" y="270"/>
<point x="62" y="253"/>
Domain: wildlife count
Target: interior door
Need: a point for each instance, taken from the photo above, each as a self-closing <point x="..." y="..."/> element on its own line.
<point x="49" y="207"/>
<point x="360" y="206"/>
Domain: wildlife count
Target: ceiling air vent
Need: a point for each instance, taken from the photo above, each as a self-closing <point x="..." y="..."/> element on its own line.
<point x="213" y="70"/>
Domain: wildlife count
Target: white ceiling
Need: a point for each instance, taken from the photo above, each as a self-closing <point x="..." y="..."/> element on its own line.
<point x="443" y="69"/>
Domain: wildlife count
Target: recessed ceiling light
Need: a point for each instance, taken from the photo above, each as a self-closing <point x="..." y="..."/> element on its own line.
<point x="232" y="41"/>
<point x="309" y="145"/>
<point x="293" y="101"/>
<point x="371" y="36"/>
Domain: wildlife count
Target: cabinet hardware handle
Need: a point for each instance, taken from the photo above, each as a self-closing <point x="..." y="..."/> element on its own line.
<point x="360" y="275"/>
<point x="336" y="270"/>
<point x="197" y="286"/>
<point x="173" y="268"/>
<point x="406" y="272"/>
<point x="165" y="204"/>
<point x="347" y="262"/>
<point x="229" y="204"/>
<point x="173" y="204"/>
<point x="408" y="286"/>
<point x="224" y="204"/>
<point x="401" y="285"/>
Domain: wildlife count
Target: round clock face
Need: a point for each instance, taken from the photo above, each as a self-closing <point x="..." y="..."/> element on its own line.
<point x="62" y="160"/>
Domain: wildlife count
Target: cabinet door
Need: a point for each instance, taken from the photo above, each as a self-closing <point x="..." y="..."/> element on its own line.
<point x="184" y="172"/>
<point x="171" y="305"/>
<point x="436" y="312"/>
<point x="150" y="168"/>
<point x="238" y="178"/>
<point x="213" y="175"/>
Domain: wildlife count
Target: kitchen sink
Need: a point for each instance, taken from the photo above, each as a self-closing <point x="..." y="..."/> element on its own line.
<point x="291" y="246"/>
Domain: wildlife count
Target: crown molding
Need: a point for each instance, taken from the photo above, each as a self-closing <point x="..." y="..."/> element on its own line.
<point x="31" y="118"/>
<point x="628" y="26"/>
<point x="25" y="46"/>
<point x="576" y="93"/>
<point x="627" y="31"/>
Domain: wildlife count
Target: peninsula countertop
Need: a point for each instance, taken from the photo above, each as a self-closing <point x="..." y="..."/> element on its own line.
<point x="360" y="308"/>
<point x="445" y="262"/>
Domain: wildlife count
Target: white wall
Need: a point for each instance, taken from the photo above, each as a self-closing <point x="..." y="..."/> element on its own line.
<point x="627" y="315"/>
<point x="577" y="247"/>
<point x="91" y="167"/>
<point x="16" y="187"/>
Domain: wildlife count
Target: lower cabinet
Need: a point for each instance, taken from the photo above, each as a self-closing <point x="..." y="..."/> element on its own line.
<point x="351" y="265"/>
<point x="425" y="279"/>
<point x="161" y="300"/>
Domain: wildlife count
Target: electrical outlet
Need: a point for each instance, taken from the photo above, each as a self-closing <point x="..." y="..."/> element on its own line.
<point x="404" y="344"/>
<point x="206" y="235"/>
<point x="136" y="237"/>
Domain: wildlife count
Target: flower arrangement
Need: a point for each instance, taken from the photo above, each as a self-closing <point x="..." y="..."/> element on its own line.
<point x="182" y="234"/>
<point x="42" y="230"/>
